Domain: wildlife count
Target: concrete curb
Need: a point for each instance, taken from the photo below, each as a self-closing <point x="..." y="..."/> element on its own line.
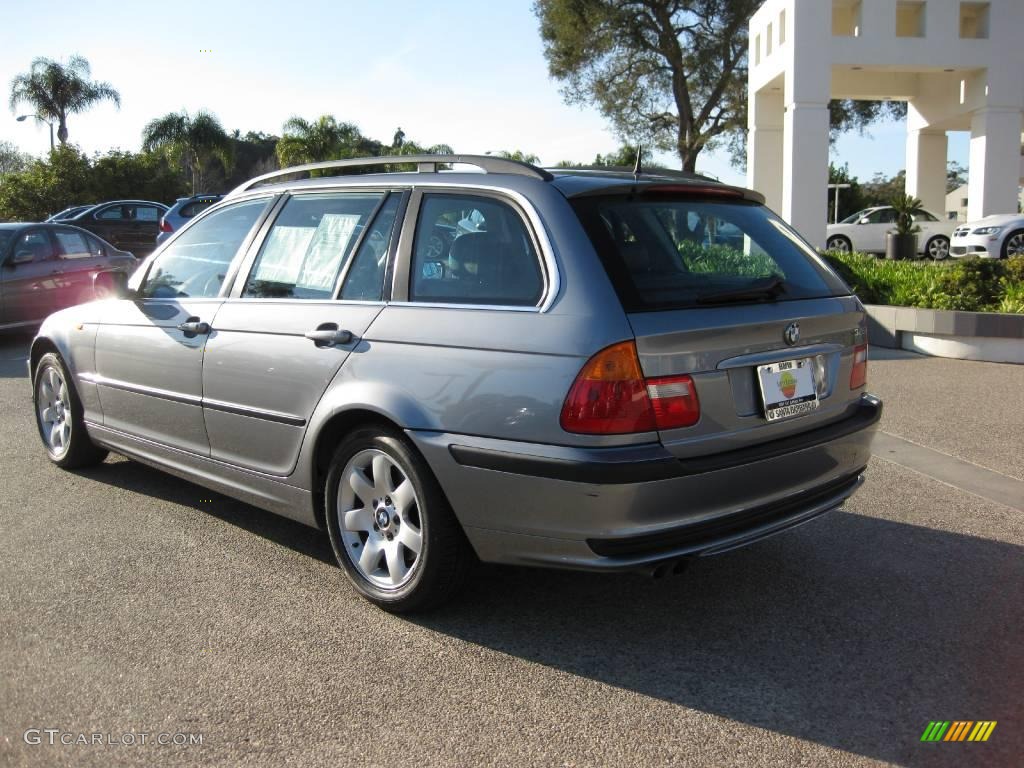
<point x="989" y="336"/>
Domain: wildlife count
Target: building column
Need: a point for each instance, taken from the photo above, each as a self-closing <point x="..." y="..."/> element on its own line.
<point x="926" y="169"/>
<point x="805" y="164"/>
<point x="764" y="147"/>
<point x="994" y="172"/>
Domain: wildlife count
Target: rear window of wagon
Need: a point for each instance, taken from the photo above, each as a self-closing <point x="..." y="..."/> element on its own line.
<point x="673" y="252"/>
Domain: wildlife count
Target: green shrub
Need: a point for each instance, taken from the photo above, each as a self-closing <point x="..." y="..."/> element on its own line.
<point x="975" y="285"/>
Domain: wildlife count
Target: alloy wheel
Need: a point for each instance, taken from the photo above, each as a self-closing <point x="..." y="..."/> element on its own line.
<point x="1015" y="245"/>
<point x="378" y="515"/>
<point x="53" y="409"/>
<point x="838" y="244"/>
<point x="938" y="248"/>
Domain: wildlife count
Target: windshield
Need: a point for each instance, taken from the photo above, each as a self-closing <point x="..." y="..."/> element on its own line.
<point x="674" y="252"/>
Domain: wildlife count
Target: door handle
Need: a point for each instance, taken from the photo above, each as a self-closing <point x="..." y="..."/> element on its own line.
<point x="328" y="335"/>
<point x="194" y="326"/>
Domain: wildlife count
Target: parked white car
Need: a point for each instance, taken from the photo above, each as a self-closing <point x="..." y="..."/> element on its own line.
<point x="994" y="237"/>
<point x="865" y="231"/>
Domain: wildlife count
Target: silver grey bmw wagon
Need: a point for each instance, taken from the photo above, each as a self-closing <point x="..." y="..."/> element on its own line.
<point x="470" y="358"/>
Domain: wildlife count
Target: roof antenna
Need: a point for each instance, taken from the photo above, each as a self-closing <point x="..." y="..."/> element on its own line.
<point x="637" y="170"/>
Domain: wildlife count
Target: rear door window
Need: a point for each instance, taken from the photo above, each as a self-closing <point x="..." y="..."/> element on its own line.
<point x="675" y="252"/>
<point x="311" y="240"/>
<point x="73" y="245"/>
<point x="473" y="250"/>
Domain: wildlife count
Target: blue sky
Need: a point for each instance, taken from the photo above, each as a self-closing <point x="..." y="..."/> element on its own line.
<point x="468" y="74"/>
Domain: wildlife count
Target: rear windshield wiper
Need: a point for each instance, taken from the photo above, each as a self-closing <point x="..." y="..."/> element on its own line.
<point x="764" y="290"/>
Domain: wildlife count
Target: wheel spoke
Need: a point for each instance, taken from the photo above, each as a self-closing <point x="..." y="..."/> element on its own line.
<point x="396" y="563"/>
<point x="411" y="538"/>
<point x="370" y="558"/>
<point x="54" y="380"/>
<point x="65" y="433"/>
<point x="47" y="415"/>
<point x="358" y="519"/>
<point x="381" y="474"/>
<point x="361" y="486"/>
<point x="403" y="496"/>
<point x="55" y="436"/>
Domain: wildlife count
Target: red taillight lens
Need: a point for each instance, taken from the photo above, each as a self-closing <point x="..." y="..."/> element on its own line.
<point x="859" y="372"/>
<point x="164" y="226"/>
<point x="610" y="396"/>
<point x="675" y="401"/>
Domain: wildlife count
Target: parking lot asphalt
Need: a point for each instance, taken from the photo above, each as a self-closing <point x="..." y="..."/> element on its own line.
<point x="133" y="602"/>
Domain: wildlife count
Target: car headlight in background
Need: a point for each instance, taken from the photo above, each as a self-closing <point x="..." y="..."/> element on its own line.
<point x="987" y="231"/>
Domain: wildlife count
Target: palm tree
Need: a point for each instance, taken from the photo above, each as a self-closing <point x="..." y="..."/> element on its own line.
<point x="189" y="140"/>
<point x="56" y="90"/>
<point x="323" y="139"/>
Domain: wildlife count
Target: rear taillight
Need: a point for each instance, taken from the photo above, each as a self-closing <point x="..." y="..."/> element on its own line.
<point x="675" y="401"/>
<point x="859" y="372"/>
<point x="611" y="396"/>
<point x="164" y="226"/>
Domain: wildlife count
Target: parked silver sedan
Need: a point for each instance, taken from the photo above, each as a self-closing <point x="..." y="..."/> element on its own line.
<point x="599" y="374"/>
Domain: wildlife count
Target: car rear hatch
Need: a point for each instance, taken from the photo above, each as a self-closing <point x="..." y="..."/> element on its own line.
<point x="718" y="289"/>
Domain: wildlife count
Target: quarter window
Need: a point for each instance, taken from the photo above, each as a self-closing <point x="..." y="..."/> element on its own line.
<point x="197" y="261"/>
<point x="146" y="213"/>
<point x="473" y="250"/>
<point x="308" y="245"/>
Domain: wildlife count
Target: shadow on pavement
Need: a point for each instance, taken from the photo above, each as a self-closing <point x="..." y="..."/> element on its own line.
<point x="140" y="478"/>
<point x="13" y="353"/>
<point x="851" y="632"/>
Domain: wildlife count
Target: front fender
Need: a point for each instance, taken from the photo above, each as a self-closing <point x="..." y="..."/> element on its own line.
<point x="72" y="333"/>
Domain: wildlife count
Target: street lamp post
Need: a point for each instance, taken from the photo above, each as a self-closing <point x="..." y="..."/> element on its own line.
<point x="23" y="118"/>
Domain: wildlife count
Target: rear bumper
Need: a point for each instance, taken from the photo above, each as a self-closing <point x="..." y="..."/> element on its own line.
<point x="627" y="508"/>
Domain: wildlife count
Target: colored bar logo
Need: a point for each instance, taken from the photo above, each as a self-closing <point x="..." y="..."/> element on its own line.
<point x="958" y="730"/>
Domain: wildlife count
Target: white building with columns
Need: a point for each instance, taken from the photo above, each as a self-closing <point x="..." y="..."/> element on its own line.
<point x="959" y="65"/>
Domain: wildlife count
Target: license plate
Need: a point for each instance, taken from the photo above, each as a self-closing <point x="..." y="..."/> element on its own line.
<point x="787" y="388"/>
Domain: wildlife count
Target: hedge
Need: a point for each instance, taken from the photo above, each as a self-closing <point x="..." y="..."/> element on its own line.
<point x="973" y="285"/>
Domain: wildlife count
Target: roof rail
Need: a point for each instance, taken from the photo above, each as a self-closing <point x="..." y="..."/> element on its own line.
<point x="424" y="163"/>
<point x="652" y="170"/>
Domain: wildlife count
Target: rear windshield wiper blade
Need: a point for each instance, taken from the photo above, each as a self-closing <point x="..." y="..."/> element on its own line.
<point x="765" y="289"/>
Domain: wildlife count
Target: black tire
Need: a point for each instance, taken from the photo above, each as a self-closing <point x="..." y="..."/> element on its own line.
<point x="79" y="450"/>
<point x="842" y="238"/>
<point x="445" y="556"/>
<point x="1004" y="252"/>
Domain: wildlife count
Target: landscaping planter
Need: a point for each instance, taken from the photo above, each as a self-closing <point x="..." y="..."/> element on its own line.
<point x="900" y="246"/>
<point x="990" y="336"/>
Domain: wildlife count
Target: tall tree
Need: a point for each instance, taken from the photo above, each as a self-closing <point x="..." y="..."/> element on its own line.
<point x="671" y="73"/>
<point x="323" y="139"/>
<point x="191" y="141"/>
<point x="56" y="90"/>
<point x="12" y="159"/>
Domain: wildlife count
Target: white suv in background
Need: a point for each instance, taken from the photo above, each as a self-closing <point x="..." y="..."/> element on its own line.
<point x="994" y="237"/>
<point x="865" y="231"/>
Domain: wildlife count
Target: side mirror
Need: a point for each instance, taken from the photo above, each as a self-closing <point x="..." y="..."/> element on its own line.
<point x="111" y="284"/>
<point x="863" y="221"/>
<point x="23" y="256"/>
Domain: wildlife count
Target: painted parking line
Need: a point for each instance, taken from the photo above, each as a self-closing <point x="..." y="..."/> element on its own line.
<point x="973" y="478"/>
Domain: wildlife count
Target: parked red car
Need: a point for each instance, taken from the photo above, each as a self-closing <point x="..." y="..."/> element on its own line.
<point x="46" y="267"/>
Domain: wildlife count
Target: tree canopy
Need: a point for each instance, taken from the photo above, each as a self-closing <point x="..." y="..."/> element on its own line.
<point x="193" y="141"/>
<point x="667" y="73"/>
<point x="54" y="91"/>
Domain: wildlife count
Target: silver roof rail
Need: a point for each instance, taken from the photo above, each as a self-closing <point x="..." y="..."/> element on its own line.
<point x="424" y="164"/>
